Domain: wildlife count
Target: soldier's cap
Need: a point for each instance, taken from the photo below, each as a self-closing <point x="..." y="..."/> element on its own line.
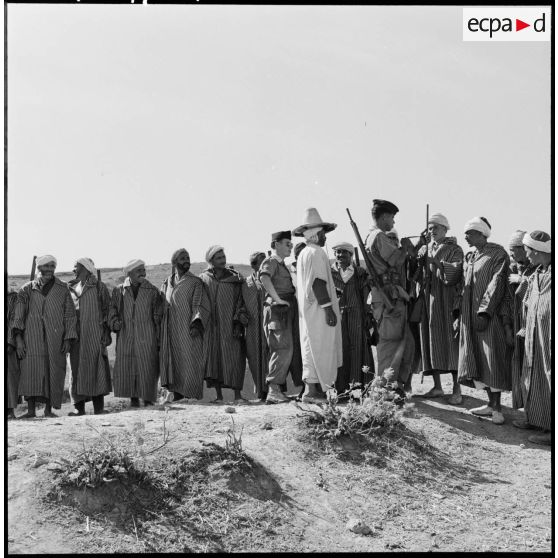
<point x="277" y="236"/>
<point x="384" y="206"/>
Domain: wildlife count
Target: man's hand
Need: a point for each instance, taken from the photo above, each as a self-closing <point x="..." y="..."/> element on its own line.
<point x="281" y="302"/>
<point x="116" y="325"/>
<point x="331" y="318"/>
<point x="66" y="346"/>
<point x="481" y="322"/>
<point x="21" y="349"/>
<point x="407" y="245"/>
<point x="238" y="331"/>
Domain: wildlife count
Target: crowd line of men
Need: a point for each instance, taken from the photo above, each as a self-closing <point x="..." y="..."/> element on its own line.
<point x="426" y="307"/>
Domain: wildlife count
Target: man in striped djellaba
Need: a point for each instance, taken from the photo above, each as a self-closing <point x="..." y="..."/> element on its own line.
<point x="351" y="283"/>
<point x="12" y="367"/>
<point x="136" y="310"/>
<point x="253" y="294"/>
<point x="280" y="319"/>
<point x="44" y="327"/>
<point x="226" y="362"/>
<point x="440" y="286"/>
<point x="184" y="330"/>
<point x="520" y="270"/>
<point x="88" y="357"/>
<point x="485" y="336"/>
<point x="536" y="376"/>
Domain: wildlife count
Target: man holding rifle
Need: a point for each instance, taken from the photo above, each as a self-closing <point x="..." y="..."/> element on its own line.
<point x="388" y="296"/>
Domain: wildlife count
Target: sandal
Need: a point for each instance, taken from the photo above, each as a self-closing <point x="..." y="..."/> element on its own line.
<point x="433" y="393"/>
<point x="523" y="424"/>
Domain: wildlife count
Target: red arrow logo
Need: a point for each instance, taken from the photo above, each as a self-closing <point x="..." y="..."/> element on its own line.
<point x="519" y="25"/>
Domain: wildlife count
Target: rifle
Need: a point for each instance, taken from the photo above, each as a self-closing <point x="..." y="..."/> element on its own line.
<point x="420" y="307"/>
<point x="374" y="279"/>
<point x="357" y="259"/>
<point x="33" y="267"/>
<point x="372" y="339"/>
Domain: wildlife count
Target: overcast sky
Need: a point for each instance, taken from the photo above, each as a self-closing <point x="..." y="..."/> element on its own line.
<point x="136" y="130"/>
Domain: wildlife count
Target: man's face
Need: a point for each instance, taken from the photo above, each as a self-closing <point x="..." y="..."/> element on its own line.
<point x="137" y="275"/>
<point x="518" y="254"/>
<point x="284" y="248"/>
<point x="343" y="257"/>
<point x="183" y="261"/>
<point x="321" y="238"/>
<point x="219" y="260"/>
<point x="47" y="270"/>
<point x="474" y="238"/>
<point x="386" y="222"/>
<point x="437" y="232"/>
<point x="532" y="255"/>
<point x="258" y="262"/>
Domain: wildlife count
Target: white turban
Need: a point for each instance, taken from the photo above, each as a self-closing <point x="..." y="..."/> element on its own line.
<point x="88" y="264"/>
<point x="47" y="258"/>
<point x="211" y="251"/>
<point x="132" y="264"/>
<point x="439" y="219"/>
<point x="516" y="239"/>
<point x="309" y="233"/>
<point x="477" y="224"/>
<point x="538" y="240"/>
<point x="344" y="246"/>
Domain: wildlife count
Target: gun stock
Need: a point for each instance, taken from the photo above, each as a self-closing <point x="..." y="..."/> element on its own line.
<point x="373" y="275"/>
<point x="33" y="267"/>
<point x="357" y="259"/>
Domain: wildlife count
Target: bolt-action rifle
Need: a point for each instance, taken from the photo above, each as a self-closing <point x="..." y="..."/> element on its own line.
<point x="33" y="267"/>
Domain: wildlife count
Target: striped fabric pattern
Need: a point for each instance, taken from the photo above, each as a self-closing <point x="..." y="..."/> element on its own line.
<point x="537" y="365"/>
<point x="257" y="353"/>
<point x="136" y="368"/>
<point x="183" y="357"/>
<point x="226" y="358"/>
<point x="484" y="356"/>
<point x="439" y="348"/>
<point x="12" y="379"/>
<point x="518" y="294"/>
<point x="46" y="322"/>
<point x="356" y="349"/>
<point x="88" y="357"/>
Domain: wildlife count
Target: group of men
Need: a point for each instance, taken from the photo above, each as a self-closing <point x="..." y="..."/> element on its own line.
<point x="425" y="306"/>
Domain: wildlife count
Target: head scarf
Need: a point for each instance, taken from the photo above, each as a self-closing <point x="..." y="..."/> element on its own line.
<point x="516" y="239"/>
<point x="344" y="246"/>
<point x="478" y="224"/>
<point x="439" y="219"/>
<point x="310" y="234"/>
<point x="538" y="240"/>
<point x="211" y="251"/>
<point x="132" y="264"/>
<point x="88" y="264"/>
<point x="177" y="253"/>
<point x="47" y="258"/>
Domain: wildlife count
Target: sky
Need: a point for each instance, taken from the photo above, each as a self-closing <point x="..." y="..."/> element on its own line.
<point x="137" y="130"/>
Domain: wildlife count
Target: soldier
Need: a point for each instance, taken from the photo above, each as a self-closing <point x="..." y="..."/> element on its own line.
<point x="396" y="344"/>
<point x="280" y="319"/>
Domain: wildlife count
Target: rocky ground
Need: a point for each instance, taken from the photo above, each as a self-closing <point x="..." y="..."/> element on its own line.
<point x="477" y="487"/>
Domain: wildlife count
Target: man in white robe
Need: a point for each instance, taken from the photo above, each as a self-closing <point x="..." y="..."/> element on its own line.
<point x="319" y="316"/>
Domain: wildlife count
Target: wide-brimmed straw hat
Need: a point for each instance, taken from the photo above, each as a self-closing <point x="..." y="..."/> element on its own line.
<point x="311" y="220"/>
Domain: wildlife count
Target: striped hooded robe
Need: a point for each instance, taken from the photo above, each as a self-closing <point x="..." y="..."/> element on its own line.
<point x="518" y="292"/>
<point x="13" y="372"/>
<point x="226" y="362"/>
<point x="46" y="322"/>
<point x="88" y="356"/>
<point x="536" y="378"/>
<point x="357" y="351"/>
<point x="484" y="356"/>
<point x="438" y="345"/>
<point x="254" y="295"/>
<point x="182" y="356"/>
<point x="136" y="368"/>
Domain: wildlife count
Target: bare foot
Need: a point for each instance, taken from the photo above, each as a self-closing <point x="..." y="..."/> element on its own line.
<point x="50" y="414"/>
<point x="27" y="416"/>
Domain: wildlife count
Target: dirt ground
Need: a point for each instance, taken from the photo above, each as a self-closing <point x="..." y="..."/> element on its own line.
<point x="491" y="492"/>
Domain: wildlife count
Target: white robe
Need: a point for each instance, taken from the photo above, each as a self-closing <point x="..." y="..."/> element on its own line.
<point x="321" y="344"/>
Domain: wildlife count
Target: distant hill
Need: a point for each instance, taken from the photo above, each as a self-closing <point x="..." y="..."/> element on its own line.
<point x="156" y="274"/>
